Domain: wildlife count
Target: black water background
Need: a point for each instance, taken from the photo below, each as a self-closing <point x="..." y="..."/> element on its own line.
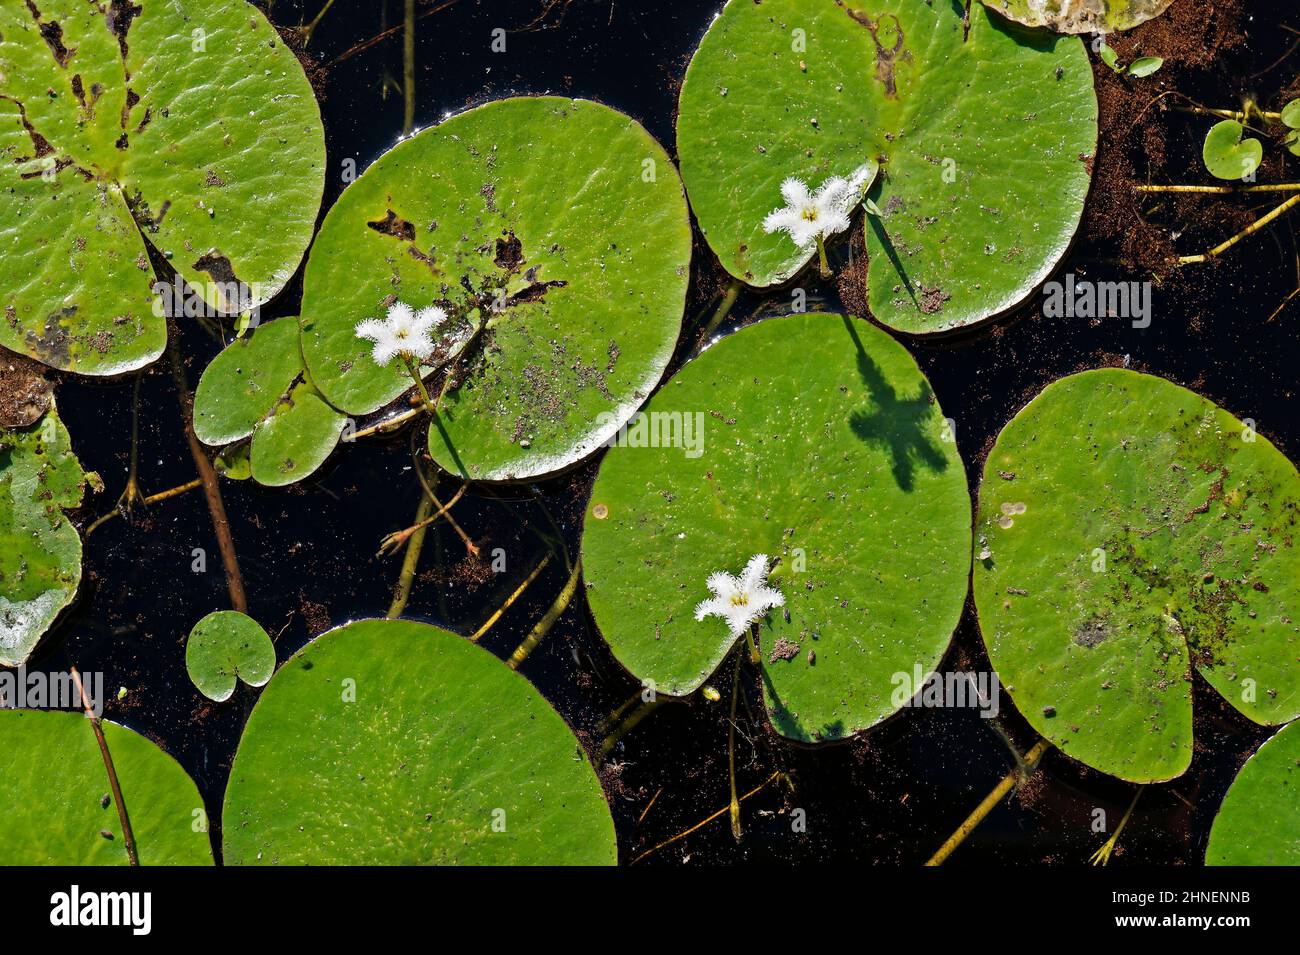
<point x="309" y="552"/>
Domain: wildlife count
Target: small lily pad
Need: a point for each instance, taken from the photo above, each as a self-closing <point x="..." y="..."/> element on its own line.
<point x="1146" y="533"/>
<point x="984" y="144"/>
<point x="1258" y="823"/>
<point x="256" y="386"/>
<point x="40" y="550"/>
<point x="1080" y="16"/>
<point x="190" y="127"/>
<point x="389" y="742"/>
<point x="224" y="648"/>
<point x="57" y="807"/>
<point x="1227" y="155"/>
<point x="558" y="224"/>
<point x="814" y="439"/>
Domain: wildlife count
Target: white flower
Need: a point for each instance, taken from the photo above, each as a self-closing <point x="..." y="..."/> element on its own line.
<point x="821" y="214"/>
<point x="403" y="331"/>
<point x="741" y="601"/>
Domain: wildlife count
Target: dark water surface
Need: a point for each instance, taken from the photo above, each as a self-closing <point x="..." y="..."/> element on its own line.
<point x="308" y="553"/>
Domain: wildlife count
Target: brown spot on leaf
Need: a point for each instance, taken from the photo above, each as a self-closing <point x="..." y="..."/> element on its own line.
<point x="886" y="57"/>
<point x="392" y="225"/>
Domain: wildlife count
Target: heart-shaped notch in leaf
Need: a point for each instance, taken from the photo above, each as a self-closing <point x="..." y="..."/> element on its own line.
<point x="40" y="550"/>
<point x="58" y="804"/>
<point x="1130" y="532"/>
<point x="1229" y="156"/>
<point x="828" y="453"/>
<point x="983" y="142"/>
<point x="189" y="127"/>
<point x="1258" y="822"/>
<point x="409" y="746"/>
<point x="224" y="648"/>
<point x="1080" y="16"/>
<point x="555" y="233"/>
<point x="257" y="386"/>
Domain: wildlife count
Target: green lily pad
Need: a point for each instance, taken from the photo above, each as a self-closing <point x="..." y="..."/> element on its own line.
<point x="296" y="439"/>
<point x="409" y="745"/>
<point x="57" y="800"/>
<point x="191" y="126"/>
<point x="256" y="386"/>
<point x="40" y="551"/>
<point x="1227" y="155"/>
<point x="224" y="648"/>
<point x="823" y="446"/>
<point x="1258" y="823"/>
<point x="1129" y="531"/>
<point x="984" y="146"/>
<point x="566" y="221"/>
<point x="1080" y="16"/>
<point x="243" y="384"/>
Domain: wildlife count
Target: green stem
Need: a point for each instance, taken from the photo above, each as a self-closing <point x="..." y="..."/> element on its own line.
<point x="412" y="559"/>
<point x="419" y="382"/>
<point x="822" y="264"/>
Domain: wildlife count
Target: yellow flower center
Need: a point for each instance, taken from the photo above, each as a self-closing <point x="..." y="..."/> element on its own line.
<point x="740" y="600"/>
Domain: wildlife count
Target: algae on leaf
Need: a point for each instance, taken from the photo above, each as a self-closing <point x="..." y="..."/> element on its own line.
<point x="409" y="745"/>
<point x="40" y="550"/>
<point x="984" y="142"/>
<point x="813" y="439"/>
<point x="189" y="127"/>
<point x="555" y="232"/>
<point x="1080" y="16"/>
<point x="57" y="804"/>
<point x="1130" y="532"/>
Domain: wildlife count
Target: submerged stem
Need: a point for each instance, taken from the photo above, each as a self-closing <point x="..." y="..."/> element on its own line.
<point x="992" y="799"/>
<point x="544" y="625"/>
<point x="1102" y="855"/>
<point x="724" y="308"/>
<point x="823" y="266"/>
<point x="208" y="477"/>
<point x="731" y="751"/>
<point x="151" y="499"/>
<point x="414" y="545"/>
<point x="496" y="615"/>
<point x="1244" y="233"/>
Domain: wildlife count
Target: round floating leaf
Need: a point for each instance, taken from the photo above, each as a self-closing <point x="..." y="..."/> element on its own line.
<point x="565" y="221"/>
<point x="984" y="145"/>
<point x="57" y="798"/>
<point x="296" y="439"/>
<point x="1291" y="114"/>
<point x="1227" y="155"/>
<point x="193" y="126"/>
<point x="1081" y="16"/>
<point x="1258" y="823"/>
<point x="409" y="745"/>
<point x="256" y="386"/>
<point x="1130" y="530"/>
<point x="245" y="381"/>
<point x="224" y="648"/>
<point x="40" y="551"/>
<point x="815" y="439"/>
